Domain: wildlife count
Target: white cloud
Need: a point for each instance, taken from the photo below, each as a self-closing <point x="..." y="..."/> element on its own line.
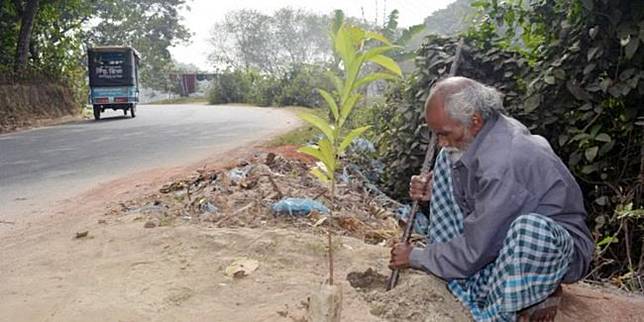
<point x="204" y="13"/>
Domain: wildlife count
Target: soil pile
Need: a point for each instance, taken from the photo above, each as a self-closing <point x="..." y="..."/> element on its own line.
<point x="24" y="105"/>
<point x="418" y="298"/>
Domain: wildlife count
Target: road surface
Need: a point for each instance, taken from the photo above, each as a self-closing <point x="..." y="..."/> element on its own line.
<point x="41" y="166"/>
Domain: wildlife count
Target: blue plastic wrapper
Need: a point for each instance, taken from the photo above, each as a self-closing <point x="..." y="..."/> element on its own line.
<point x="421" y="222"/>
<point x="298" y="207"/>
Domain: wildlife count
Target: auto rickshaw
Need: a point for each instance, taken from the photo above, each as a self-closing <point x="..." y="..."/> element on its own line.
<point x="113" y="79"/>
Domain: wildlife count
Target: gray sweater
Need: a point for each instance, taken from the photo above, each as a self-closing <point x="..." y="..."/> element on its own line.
<point x="507" y="172"/>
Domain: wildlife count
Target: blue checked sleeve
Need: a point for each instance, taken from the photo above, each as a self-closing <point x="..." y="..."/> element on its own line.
<point x="497" y="203"/>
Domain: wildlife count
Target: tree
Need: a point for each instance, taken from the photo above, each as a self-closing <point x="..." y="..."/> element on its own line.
<point x="26" y="25"/>
<point x="150" y="26"/>
<point x="349" y="44"/>
<point x="271" y="44"/>
<point x="401" y="37"/>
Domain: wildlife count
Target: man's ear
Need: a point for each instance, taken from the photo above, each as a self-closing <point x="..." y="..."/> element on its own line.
<point x="477" y="123"/>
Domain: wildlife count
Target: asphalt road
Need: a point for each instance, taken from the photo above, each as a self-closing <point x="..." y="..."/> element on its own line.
<point x="41" y="166"/>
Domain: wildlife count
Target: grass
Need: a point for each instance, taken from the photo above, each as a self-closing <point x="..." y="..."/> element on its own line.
<point x="180" y="100"/>
<point x="302" y="134"/>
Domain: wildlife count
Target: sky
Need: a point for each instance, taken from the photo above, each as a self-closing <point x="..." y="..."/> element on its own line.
<point x="204" y="13"/>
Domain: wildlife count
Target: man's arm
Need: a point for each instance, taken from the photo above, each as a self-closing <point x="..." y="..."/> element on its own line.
<point x="497" y="203"/>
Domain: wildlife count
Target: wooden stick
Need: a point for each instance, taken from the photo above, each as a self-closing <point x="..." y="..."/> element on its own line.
<point x="280" y="195"/>
<point x="429" y="158"/>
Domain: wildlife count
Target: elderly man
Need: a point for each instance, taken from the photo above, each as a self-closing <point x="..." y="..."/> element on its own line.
<point x="507" y="222"/>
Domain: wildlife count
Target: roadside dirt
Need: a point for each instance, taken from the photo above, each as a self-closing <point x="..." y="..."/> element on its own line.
<point x="176" y="271"/>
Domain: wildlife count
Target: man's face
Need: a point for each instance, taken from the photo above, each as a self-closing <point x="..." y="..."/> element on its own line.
<point x="452" y="135"/>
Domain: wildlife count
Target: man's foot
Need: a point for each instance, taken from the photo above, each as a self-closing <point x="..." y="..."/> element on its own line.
<point x="544" y="311"/>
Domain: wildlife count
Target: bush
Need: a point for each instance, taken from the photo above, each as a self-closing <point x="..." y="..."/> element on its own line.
<point x="299" y="85"/>
<point x="580" y="88"/>
<point x="230" y="87"/>
<point x="293" y="88"/>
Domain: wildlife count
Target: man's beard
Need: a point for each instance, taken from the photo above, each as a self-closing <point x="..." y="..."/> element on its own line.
<point x="453" y="153"/>
<point x="456" y="153"/>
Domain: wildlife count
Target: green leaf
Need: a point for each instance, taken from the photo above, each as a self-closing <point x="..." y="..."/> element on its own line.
<point x="563" y="139"/>
<point x="603" y="137"/>
<point x="592" y="52"/>
<point x="312" y="150"/>
<point x="328" y="154"/>
<point x="356" y="34"/>
<point x="320" y="174"/>
<point x="631" y="48"/>
<point x="550" y="80"/>
<point x="348" y="106"/>
<point x="607" y="240"/>
<point x="592" y="32"/>
<point x="350" y="137"/>
<point x="373" y="52"/>
<point x="588" y="169"/>
<point x="602" y="201"/>
<point x="387" y="63"/>
<point x="319" y="123"/>
<point x="343" y="45"/>
<point x="589" y="68"/>
<point x="532" y="103"/>
<point x="373" y="77"/>
<point x="330" y="102"/>
<point x="625" y="40"/>
<point x="377" y="36"/>
<point x="591" y="153"/>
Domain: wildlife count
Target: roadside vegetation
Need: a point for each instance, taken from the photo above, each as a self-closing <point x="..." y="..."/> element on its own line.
<point x="180" y="100"/>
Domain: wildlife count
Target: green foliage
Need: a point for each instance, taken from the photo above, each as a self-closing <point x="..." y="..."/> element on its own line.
<point x="401" y="37"/>
<point x="352" y="54"/>
<point x="296" y="87"/>
<point x="58" y="39"/>
<point x="150" y="26"/>
<point x="349" y="44"/>
<point x="231" y="87"/>
<point x="574" y="77"/>
<point x="249" y="39"/>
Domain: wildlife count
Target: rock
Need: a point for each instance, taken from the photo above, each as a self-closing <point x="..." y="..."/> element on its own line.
<point x="241" y="267"/>
<point x="82" y="234"/>
<point x="149" y="224"/>
<point x="325" y="304"/>
<point x="208" y="207"/>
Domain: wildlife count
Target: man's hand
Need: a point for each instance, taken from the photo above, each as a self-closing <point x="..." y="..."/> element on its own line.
<point x="420" y="187"/>
<point x="400" y="256"/>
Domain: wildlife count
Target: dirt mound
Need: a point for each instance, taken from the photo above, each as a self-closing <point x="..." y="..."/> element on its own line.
<point x="28" y="105"/>
<point x="367" y="281"/>
<point x="419" y="298"/>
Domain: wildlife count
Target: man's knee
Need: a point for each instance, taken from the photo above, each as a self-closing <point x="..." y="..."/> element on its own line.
<point x="535" y="230"/>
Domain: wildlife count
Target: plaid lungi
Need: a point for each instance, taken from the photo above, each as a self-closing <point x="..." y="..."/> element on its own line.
<point x="534" y="257"/>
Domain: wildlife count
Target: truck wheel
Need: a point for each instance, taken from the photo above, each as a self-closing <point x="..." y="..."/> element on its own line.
<point x="97" y="112"/>
<point x="133" y="110"/>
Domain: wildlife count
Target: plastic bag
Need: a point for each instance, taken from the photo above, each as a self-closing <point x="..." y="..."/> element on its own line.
<point x="298" y="207"/>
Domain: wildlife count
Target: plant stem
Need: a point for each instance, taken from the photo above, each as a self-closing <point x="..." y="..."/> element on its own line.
<point x="330" y="232"/>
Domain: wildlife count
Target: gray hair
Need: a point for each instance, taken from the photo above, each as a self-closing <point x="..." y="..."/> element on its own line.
<point x="462" y="103"/>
